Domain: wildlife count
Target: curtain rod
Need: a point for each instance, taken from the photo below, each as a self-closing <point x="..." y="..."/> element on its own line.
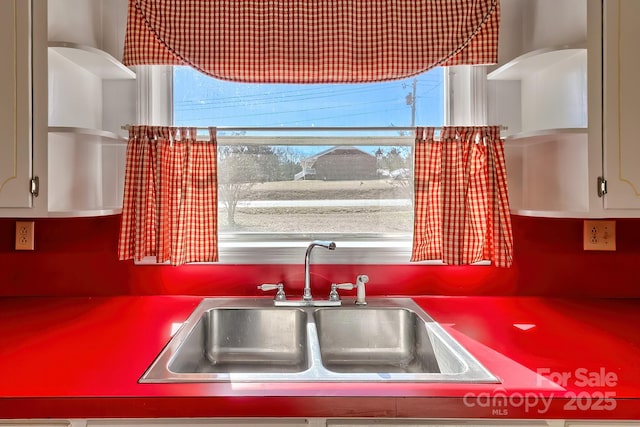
<point x="319" y="129"/>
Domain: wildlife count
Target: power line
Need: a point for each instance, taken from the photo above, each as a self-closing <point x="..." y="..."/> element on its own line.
<point x="305" y="93"/>
<point x="296" y="110"/>
<point x="314" y="119"/>
<point x="274" y="99"/>
<point x="302" y="90"/>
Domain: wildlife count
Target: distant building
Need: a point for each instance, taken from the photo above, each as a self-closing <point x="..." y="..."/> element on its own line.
<point x="338" y="164"/>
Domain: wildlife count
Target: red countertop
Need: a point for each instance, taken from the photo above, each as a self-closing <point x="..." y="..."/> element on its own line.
<point x="556" y="358"/>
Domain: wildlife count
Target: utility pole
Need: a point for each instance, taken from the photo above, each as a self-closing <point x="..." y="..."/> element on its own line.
<point x="411" y="100"/>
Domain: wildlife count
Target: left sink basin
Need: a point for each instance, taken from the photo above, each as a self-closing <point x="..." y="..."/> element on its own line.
<point x="245" y="340"/>
<point x="218" y="343"/>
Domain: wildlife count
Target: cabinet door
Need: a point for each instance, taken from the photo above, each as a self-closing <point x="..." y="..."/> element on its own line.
<point x="436" y="423"/>
<point x="229" y="422"/>
<point x="621" y="112"/>
<point x="33" y="423"/>
<point x="15" y="104"/>
<point x="601" y="423"/>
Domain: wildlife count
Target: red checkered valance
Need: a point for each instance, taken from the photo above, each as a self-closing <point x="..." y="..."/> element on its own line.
<point x="314" y="41"/>
<point x="461" y="205"/>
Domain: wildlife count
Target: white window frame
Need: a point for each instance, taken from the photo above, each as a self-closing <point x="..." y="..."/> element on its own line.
<point x="465" y="104"/>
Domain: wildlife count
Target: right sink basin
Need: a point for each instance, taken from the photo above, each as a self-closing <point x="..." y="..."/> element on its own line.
<point x="393" y="339"/>
<point x="373" y="340"/>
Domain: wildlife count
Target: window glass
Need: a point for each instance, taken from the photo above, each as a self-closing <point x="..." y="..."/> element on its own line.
<point x="300" y="173"/>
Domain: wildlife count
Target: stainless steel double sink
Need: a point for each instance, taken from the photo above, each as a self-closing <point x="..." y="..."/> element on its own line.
<point x="250" y="340"/>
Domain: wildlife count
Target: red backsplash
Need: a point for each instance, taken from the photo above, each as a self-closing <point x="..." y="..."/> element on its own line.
<point x="77" y="257"/>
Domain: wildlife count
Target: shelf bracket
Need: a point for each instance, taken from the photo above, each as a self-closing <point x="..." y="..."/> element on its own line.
<point x="602" y="186"/>
<point x="35" y="186"/>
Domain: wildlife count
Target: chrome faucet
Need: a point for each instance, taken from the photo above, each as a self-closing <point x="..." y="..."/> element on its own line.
<point x="306" y="295"/>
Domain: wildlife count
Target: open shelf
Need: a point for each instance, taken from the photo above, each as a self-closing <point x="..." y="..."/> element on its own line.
<point x="532" y="62"/>
<point x="543" y="136"/>
<point x="550" y="213"/>
<point x="86" y="172"/>
<point x="84" y="213"/>
<point x="89" y="135"/>
<point x="548" y="173"/>
<point x="94" y="60"/>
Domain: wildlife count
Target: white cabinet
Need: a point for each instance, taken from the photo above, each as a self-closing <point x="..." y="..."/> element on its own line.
<point x="68" y="96"/>
<point x="90" y="94"/>
<point x="545" y="81"/>
<point x="578" y="101"/>
<point x="15" y="104"/>
<point x="546" y="150"/>
<point x="621" y="104"/>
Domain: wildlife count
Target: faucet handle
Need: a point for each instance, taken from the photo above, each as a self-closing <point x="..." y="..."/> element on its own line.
<point x="280" y="295"/>
<point x="333" y="295"/>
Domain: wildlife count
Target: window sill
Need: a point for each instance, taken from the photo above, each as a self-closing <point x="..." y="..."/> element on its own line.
<point x="292" y="252"/>
<point x="274" y="249"/>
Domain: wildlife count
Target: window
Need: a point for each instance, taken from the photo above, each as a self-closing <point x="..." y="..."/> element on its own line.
<point x="283" y="201"/>
<point x="294" y="183"/>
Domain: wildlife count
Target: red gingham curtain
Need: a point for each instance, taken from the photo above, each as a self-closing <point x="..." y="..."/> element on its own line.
<point x="319" y="41"/>
<point x="461" y="206"/>
<point x="170" y="196"/>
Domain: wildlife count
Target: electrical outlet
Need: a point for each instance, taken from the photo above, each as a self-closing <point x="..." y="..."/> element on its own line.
<point x="599" y="235"/>
<point x="24" y="235"/>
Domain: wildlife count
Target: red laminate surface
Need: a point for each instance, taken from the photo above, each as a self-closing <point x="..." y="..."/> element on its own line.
<point x="82" y="357"/>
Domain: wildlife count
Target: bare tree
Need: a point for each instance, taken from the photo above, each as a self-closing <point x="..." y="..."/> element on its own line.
<point x="398" y="160"/>
<point x="240" y="167"/>
<point x="237" y="173"/>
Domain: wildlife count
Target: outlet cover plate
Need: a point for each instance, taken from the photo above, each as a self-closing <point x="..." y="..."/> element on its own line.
<point x="24" y="236"/>
<point x="599" y="235"/>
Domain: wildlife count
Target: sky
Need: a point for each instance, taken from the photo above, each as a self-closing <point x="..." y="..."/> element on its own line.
<point x="200" y="100"/>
